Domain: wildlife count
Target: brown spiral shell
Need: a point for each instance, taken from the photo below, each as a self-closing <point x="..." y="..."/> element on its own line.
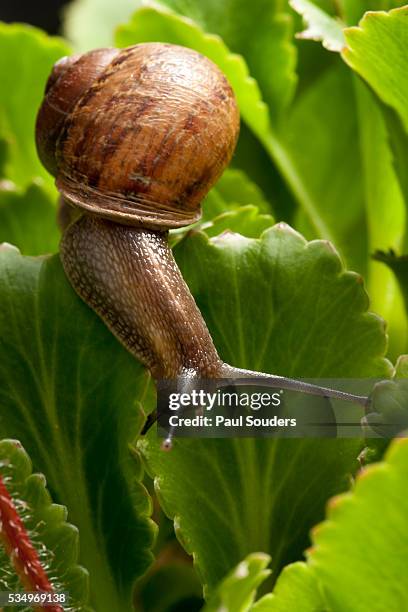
<point x="138" y="135"/>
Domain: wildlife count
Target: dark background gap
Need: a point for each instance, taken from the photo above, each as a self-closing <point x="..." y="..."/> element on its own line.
<point x="45" y="14"/>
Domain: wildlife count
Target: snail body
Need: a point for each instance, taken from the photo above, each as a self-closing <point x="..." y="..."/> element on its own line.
<point x="153" y="312"/>
<point x="135" y="139"/>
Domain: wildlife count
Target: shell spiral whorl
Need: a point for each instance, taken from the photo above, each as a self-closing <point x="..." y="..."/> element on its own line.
<point x="138" y="135"/>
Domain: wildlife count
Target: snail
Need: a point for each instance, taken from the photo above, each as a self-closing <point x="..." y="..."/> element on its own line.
<point x="136" y="138"/>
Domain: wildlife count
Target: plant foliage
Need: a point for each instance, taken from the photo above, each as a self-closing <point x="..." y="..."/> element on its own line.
<point x="281" y="266"/>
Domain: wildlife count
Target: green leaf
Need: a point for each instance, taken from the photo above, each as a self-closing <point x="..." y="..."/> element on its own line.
<point x="68" y="391"/>
<point x="237" y="591"/>
<point x="245" y="221"/>
<point x="398" y="139"/>
<point x="344" y="570"/>
<point x="360" y="552"/>
<point x="313" y="60"/>
<point x="385" y="211"/>
<point x="263" y="33"/>
<point x="159" y="24"/>
<point x="291" y="275"/>
<point x="26" y="58"/>
<point x="3" y="155"/>
<point x="54" y="540"/>
<point x="281" y="305"/>
<point x="268" y="47"/>
<point x="401" y="367"/>
<point x="252" y="157"/>
<point x="333" y="172"/>
<point x="399" y="266"/>
<point x="28" y="219"/>
<point x="376" y="50"/>
<point x="234" y="189"/>
<point x="229" y="206"/>
<point x="320" y="26"/>
<point x="375" y="188"/>
<point x="232" y="497"/>
<point x="353" y="10"/>
<point x="103" y="15"/>
<point x="389" y="403"/>
<point x="389" y="407"/>
<point x="295" y="591"/>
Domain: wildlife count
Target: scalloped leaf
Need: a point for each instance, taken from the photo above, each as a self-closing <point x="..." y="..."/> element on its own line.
<point x="237" y="591"/>
<point x="376" y="50"/>
<point x="28" y="219"/>
<point x="68" y="391"/>
<point x="344" y="569"/>
<point x="277" y="304"/>
<point x="319" y="25"/>
<point x="44" y="540"/>
<point x="292" y="275"/>
<point x="296" y="590"/>
<point x="360" y="552"/>
<point x="246" y="220"/>
<point x="26" y="58"/>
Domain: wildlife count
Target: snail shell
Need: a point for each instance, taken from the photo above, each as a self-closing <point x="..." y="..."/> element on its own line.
<point x="138" y="135"/>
